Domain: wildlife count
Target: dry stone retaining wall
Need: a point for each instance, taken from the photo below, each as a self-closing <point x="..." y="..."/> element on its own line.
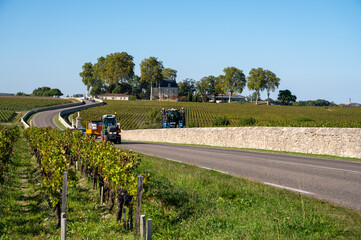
<point x="344" y="142"/>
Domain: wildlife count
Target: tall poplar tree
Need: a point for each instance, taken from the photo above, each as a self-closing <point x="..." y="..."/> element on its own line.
<point x="151" y="72"/>
<point x="256" y="81"/>
<point x="271" y="82"/>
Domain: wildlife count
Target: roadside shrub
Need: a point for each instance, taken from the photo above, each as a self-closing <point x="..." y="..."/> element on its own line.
<point x="220" y="121"/>
<point x="247" y="121"/>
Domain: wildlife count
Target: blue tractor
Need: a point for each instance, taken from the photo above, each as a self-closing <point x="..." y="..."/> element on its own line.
<point x="173" y="118"/>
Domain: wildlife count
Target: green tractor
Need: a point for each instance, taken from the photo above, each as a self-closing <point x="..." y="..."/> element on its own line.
<point x="110" y="129"/>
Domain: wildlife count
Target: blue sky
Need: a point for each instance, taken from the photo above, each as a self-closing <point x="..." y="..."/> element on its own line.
<point x="313" y="46"/>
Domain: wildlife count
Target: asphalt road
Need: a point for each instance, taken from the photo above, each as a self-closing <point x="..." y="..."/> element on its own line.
<point x="337" y="181"/>
<point x="46" y="118"/>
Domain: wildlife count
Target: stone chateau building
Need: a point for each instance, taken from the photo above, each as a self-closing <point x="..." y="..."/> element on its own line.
<point x="168" y="90"/>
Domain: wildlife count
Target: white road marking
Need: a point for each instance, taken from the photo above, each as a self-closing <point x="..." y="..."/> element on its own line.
<point x="288" y="188"/>
<point x="207" y="168"/>
<point x="315" y="166"/>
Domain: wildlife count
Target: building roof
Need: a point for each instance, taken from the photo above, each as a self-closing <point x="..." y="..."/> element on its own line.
<point x="113" y="95"/>
<point x="166" y="82"/>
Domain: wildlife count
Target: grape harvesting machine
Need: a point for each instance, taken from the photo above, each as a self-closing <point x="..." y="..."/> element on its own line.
<point x="173" y="118"/>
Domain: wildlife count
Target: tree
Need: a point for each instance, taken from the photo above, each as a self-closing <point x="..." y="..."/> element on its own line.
<point x="87" y="75"/>
<point x="97" y="88"/>
<point x="122" y="87"/>
<point x="169" y="73"/>
<point x="99" y="69"/>
<point x="186" y="87"/>
<point x="40" y="91"/>
<point x="140" y="89"/>
<point x="53" y="92"/>
<point x="219" y="87"/>
<point x="286" y="96"/>
<point x="271" y="82"/>
<point x="202" y="88"/>
<point x="256" y="81"/>
<point x="234" y="81"/>
<point x="151" y="72"/>
<point x="119" y="67"/>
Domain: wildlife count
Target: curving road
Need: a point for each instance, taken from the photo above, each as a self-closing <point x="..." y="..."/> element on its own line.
<point x="46" y="118"/>
<point x="337" y="181"/>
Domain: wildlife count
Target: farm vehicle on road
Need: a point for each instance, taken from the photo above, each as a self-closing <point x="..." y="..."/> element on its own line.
<point x="107" y="128"/>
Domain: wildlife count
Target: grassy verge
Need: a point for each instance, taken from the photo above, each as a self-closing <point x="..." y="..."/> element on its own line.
<point x="260" y="150"/>
<point x="58" y="123"/>
<point x="187" y="202"/>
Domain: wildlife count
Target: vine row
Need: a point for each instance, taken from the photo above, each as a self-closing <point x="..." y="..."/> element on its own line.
<point x="8" y="136"/>
<point x="113" y="168"/>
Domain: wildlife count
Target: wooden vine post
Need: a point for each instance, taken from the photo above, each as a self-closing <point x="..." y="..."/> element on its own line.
<point x="63" y="206"/>
<point x="139" y="205"/>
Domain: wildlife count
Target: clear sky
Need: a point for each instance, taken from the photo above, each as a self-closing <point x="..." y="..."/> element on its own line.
<point x="313" y="46"/>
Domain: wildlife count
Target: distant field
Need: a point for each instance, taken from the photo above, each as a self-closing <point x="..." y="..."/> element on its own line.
<point x="28" y="103"/>
<point x="135" y="114"/>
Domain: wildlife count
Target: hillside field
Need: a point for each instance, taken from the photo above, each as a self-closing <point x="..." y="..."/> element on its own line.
<point x="16" y="103"/>
<point x="137" y="114"/>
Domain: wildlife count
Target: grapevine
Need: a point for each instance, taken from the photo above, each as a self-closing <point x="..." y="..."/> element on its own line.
<point x="8" y="136"/>
<point x="58" y="151"/>
<point x="134" y="114"/>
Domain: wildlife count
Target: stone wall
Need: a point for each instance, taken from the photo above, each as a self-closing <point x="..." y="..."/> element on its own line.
<point x="344" y="142"/>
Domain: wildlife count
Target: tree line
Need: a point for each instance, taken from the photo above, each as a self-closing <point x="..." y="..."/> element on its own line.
<point x="114" y="73"/>
<point x="42" y="92"/>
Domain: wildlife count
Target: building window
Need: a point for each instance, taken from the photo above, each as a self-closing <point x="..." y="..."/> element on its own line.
<point x="174" y="91"/>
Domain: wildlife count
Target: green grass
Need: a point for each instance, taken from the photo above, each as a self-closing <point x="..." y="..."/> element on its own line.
<point x="184" y="201"/>
<point x="136" y="114"/>
<point x="57" y="122"/>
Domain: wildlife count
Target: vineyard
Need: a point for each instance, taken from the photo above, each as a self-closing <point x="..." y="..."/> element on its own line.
<point x="137" y="114"/>
<point x="112" y="168"/>
<point x="8" y="136"/>
<point x="6" y="115"/>
<point x="28" y="103"/>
